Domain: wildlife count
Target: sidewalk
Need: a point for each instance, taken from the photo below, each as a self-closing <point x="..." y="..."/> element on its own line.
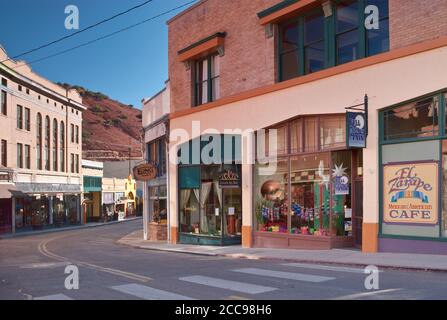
<point x="53" y="230"/>
<point x="350" y="257"/>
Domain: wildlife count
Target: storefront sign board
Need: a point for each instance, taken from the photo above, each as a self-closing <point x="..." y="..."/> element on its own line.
<point x="411" y="193"/>
<point x="229" y="179"/>
<point x="145" y="172"/>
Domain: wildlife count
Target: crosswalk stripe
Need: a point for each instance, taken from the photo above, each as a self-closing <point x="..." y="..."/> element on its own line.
<point x="283" y="275"/>
<point x="148" y="293"/>
<point x="324" y="267"/>
<point x="228" y="284"/>
<point x="59" y="296"/>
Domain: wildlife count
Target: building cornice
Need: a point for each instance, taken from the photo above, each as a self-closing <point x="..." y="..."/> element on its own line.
<point x="8" y="72"/>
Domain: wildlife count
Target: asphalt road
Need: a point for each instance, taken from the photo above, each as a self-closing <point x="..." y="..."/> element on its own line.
<point x="32" y="267"/>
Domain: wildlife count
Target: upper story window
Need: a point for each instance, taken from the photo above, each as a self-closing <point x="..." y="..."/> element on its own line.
<point x="77" y="134"/>
<point x="39" y="141"/>
<point x="4" y="109"/>
<point x="62" y="147"/>
<point x="156" y="153"/>
<point x="72" y="133"/>
<point x="55" y="136"/>
<point x="315" y="41"/>
<point x="19" y="117"/>
<point x="27" y="119"/>
<point x="206" y="80"/>
<point x="47" y="143"/>
<point x="4" y="153"/>
<point x="4" y="82"/>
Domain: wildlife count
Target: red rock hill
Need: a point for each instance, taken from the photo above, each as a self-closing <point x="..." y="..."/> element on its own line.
<point x="109" y="128"/>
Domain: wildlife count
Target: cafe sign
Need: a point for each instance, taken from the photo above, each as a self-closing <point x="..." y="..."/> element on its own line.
<point x="145" y="172"/>
<point x="229" y="179"/>
<point x="411" y="193"/>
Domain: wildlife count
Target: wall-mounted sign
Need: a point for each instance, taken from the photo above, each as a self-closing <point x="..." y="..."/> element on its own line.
<point x="145" y="172"/>
<point x="229" y="179"/>
<point x="410" y="193"/>
<point x="356" y="127"/>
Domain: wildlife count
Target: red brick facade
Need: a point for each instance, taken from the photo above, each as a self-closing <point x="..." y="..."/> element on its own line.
<point x="249" y="61"/>
<point x="249" y="55"/>
<point x="413" y="21"/>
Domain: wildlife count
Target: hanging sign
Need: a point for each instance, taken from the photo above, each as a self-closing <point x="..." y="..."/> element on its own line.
<point x="145" y="172"/>
<point x="410" y="193"/>
<point x="356" y="130"/>
<point x="229" y="179"/>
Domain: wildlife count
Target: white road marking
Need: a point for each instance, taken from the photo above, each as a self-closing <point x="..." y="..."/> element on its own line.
<point x="44" y="265"/>
<point x="148" y="293"/>
<point x="228" y="285"/>
<point x="365" y="294"/>
<point x="324" y="267"/>
<point x="284" y="275"/>
<point x="59" y="296"/>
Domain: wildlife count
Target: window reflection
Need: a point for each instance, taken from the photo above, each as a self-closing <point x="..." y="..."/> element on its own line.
<point x="271" y="198"/>
<point x="416" y="119"/>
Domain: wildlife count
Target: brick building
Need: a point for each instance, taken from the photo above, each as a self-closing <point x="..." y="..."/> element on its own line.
<point x="288" y="70"/>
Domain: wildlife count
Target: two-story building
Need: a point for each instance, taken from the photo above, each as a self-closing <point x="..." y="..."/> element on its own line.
<point x="279" y="75"/>
<point x="41" y="148"/>
<point x="156" y="127"/>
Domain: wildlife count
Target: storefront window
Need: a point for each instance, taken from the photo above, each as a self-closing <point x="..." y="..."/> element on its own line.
<point x="311" y="134"/>
<point x="333" y="131"/>
<point x="310" y="195"/>
<point x="59" y="213"/>
<point x="71" y="205"/>
<point x="40" y="213"/>
<point x="271" y="181"/>
<point x="341" y="194"/>
<point x="23" y="213"/>
<point x="296" y="136"/>
<point x="158" y="204"/>
<point x="414" y="120"/>
<point x="210" y="198"/>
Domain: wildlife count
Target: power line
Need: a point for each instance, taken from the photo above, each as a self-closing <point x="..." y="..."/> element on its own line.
<point x="78" y="32"/>
<point x="105" y="37"/>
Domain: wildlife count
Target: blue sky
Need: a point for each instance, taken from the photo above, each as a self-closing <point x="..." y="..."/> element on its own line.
<point x="126" y="67"/>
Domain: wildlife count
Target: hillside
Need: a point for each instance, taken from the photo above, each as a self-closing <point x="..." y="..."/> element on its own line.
<point x="109" y="128"/>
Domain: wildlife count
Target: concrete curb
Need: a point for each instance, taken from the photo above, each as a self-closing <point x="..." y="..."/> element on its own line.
<point x="296" y="260"/>
<point x="84" y="226"/>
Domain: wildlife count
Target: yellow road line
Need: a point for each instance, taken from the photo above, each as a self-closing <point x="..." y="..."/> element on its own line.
<point x="42" y="248"/>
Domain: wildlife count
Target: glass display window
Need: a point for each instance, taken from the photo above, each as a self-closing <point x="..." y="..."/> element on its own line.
<point x="341" y="193"/>
<point x="271" y="185"/>
<point x="310" y="197"/>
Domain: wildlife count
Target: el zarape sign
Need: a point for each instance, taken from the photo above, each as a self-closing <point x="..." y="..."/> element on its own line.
<point x="411" y="193"/>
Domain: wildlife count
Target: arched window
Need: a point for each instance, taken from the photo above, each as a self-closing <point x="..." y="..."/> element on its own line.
<point x="55" y="127"/>
<point x="62" y="147"/>
<point x="39" y="141"/>
<point x="47" y="143"/>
